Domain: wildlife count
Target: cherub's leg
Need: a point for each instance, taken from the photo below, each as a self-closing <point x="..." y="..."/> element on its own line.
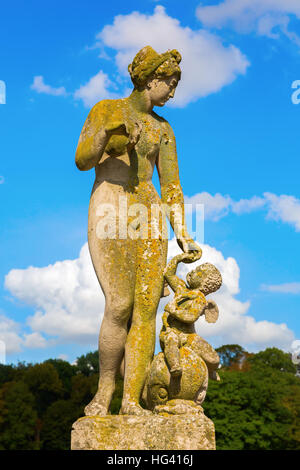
<point x="171" y="352"/>
<point x="207" y="352"/>
<point x="202" y="391"/>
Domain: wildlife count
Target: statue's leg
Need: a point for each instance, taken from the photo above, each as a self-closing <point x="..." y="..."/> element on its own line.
<point x="171" y="352"/>
<point x="114" y="263"/>
<point x="200" y="397"/>
<point x="207" y="352"/>
<point x="140" y="344"/>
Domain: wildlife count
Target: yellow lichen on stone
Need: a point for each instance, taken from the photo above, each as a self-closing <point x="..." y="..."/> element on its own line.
<point x="156" y="432"/>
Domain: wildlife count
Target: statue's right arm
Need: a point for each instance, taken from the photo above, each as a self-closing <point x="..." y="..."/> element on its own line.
<point x="93" y="138"/>
<point x="95" y="134"/>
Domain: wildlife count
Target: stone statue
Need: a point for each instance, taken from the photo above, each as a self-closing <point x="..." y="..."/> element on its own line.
<point x="124" y="139"/>
<point x="178" y="376"/>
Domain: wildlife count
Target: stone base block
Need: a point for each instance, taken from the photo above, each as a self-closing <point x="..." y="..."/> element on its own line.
<point x="157" y="432"/>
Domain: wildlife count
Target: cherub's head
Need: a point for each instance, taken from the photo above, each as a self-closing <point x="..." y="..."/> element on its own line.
<point x="206" y="277"/>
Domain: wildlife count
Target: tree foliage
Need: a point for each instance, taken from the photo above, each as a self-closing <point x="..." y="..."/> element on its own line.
<point x="88" y="364"/>
<point x="230" y="354"/>
<point x="57" y="425"/>
<point x="18" y="417"/>
<point x="255" y="406"/>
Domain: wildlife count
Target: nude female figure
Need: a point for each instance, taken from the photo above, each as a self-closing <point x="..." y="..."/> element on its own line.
<point x="124" y="140"/>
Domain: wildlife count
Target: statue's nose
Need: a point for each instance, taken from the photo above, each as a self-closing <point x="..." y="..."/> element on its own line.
<point x="171" y="95"/>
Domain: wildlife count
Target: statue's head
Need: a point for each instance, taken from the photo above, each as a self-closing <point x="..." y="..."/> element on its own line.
<point x="206" y="278"/>
<point x="158" y="73"/>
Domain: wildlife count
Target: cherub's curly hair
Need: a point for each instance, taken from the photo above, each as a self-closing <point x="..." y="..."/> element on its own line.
<point x="206" y="277"/>
<point x="149" y="63"/>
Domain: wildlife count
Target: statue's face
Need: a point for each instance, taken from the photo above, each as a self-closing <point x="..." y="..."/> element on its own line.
<point x="162" y="89"/>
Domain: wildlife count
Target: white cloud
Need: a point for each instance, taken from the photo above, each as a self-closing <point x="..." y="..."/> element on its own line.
<point x="35" y="341"/>
<point x="244" y="206"/>
<point x="10" y="334"/>
<point x="68" y="300"/>
<point x="265" y="17"/>
<point x="215" y="207"/>
<point x="69" y="304"/>
<point x="41" y="87"/>
<point x="15" y="340"/>
<point x="281" y="208"/>
<point x="207" y="64"/>
<point x="218" y="206"/>
<point x="234" y="324"/>
<point x="284" y="208"/>
<point x="288" y="288"/>
<point x="96" y="89"/>
<point x="2" y="92"/>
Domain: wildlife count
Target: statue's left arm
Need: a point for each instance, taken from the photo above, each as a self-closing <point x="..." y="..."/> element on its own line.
<point x="171" y="192"/>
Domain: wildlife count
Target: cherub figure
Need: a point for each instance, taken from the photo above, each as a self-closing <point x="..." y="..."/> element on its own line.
<point x="188" y="304"/>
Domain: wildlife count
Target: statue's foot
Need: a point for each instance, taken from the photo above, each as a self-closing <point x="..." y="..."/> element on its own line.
<point x="133" y="408"/>
<point x="95" y="408"/>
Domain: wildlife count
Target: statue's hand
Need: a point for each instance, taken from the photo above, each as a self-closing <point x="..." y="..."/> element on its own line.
<point x="134" y="133"/>
<point x="188" y="245"/>
<point x="116" y="128"/>
<point x="189" y="257"/>
<point x="131" y="130"/>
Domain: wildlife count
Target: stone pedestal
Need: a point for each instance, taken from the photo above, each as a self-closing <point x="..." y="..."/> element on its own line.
<point x="157" y="432"/>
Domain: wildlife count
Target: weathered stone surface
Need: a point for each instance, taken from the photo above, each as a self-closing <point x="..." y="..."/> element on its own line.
<point x="157" y="432"/>
<point x="123" y="140"/>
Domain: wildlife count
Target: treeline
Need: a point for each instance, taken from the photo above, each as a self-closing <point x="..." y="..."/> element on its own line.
<point x="255" y="406"/>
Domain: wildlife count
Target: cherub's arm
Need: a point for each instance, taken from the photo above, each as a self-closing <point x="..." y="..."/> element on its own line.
<point x="170" y="271"/>
<point x="165" y="319"/>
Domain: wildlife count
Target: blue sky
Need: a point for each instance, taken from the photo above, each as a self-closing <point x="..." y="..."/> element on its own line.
<point x="237" y="133"/>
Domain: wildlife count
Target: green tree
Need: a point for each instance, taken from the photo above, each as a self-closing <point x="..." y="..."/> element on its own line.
<point x="57" y="425"/>
<point x="255" y="410"/>
<point x="274" y="358"/>
<point x="44" y="383"/>
<point x="292" y="402"/>
<point x="117" y="396"/>
<point x="18" y="417"/>
<point x="7" y="373"/>
<point x="83" y="389"/>
<point x="230" y="354"/>
<point x="88" y="364"/>
<point x="65" y="372"/>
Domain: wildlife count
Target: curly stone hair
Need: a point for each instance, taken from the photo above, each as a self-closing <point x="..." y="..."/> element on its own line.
<point x="206" y="277"/>
<point x="148" y="63"/>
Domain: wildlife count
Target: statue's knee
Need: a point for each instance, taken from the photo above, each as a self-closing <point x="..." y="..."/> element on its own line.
<point x="119" y="311"/>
